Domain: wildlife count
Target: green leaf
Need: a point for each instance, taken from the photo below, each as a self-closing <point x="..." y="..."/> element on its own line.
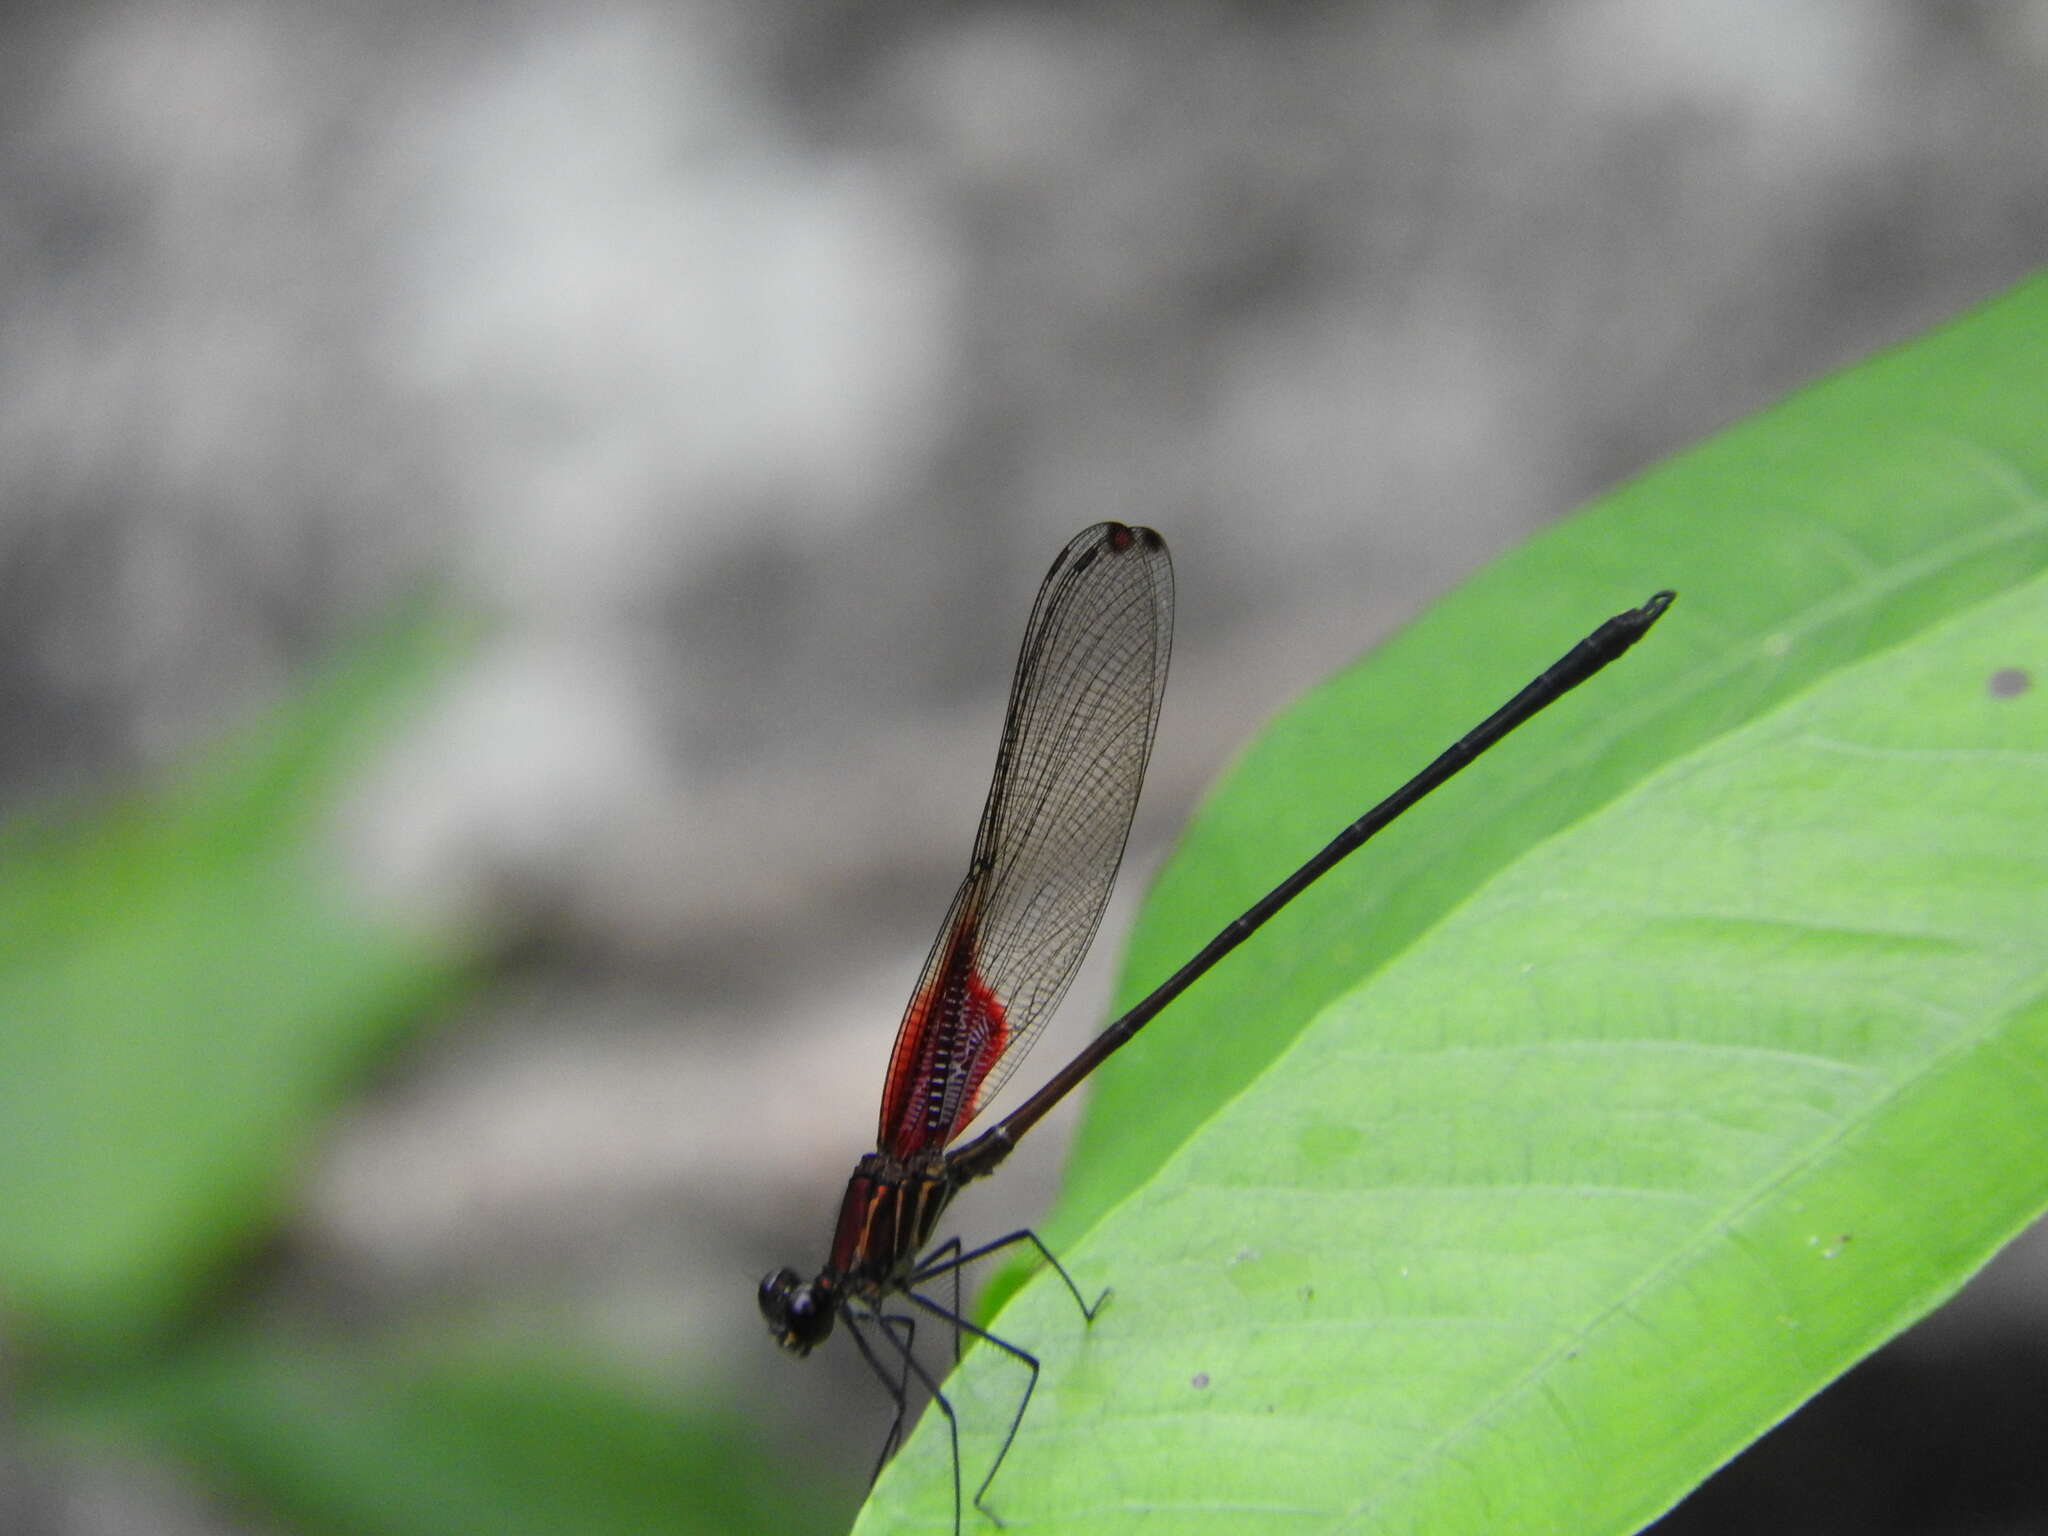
<point x="433" y="1437"/>
<point x="185" y="986"/>
<point x="1689" y="1047"/>
<point x="1833" y="526"/>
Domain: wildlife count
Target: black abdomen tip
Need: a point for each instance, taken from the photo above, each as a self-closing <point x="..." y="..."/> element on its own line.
<point x="1653" y="610"/>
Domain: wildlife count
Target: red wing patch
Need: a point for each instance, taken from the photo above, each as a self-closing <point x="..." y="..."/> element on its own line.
<point x="953" y="1032"/>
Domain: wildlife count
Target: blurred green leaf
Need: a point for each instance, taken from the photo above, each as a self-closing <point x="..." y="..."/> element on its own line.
<point x="185" y="986"/>
<point x="432" y="1437"/>
<point x="1690" y="1047"/>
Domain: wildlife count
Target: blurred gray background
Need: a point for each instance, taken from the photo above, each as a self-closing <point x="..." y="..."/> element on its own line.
<point x="748" y="362"/>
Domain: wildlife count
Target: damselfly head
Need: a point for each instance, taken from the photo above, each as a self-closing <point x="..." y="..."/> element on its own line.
<point x="799" y="1312"/>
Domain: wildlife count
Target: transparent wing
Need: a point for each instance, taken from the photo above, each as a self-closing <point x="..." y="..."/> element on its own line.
<point x="1084" y="707"/>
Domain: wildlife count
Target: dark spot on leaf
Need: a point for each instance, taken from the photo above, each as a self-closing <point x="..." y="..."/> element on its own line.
<point x="2008" y="683"/>
<point x="1199" y="1380"/>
